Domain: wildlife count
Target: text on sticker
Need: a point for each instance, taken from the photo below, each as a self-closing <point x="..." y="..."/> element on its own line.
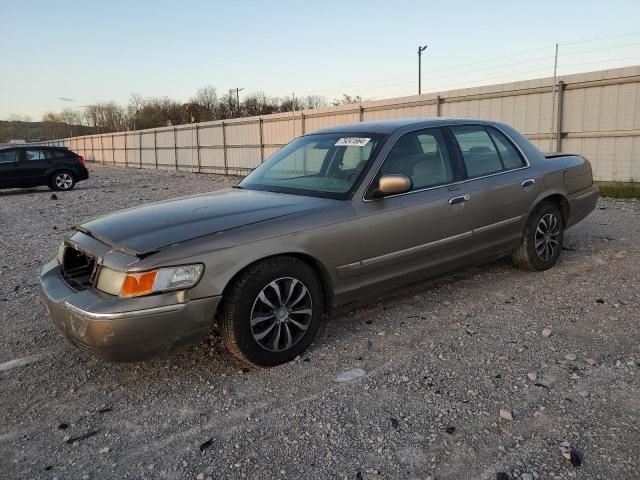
<point x="352" y="142"/>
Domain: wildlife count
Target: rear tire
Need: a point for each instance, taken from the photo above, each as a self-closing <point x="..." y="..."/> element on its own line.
<point x="272" y="311"/>
<point x="62" y="181"/>
<point x="542" y="239"/>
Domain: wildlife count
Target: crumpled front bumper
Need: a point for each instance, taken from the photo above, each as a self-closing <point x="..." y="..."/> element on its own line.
<point x="125" y="329"/>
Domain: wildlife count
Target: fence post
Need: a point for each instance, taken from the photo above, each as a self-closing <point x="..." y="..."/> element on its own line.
<point x="261" y="141"/>
<point x="302" y="122"/>
<point x="155" y="148"/>
<point x="438" y="107"/>
<point x="175" y="146"/>
<point x="92" y="152"/>
<point x="140" y="149"/>
<point x="113" y="150"/>
<point x="102" y="149"/>
<point x="559" y="117"/>
<point x="224" y="150"/>
<point x="361" y="113"/>
<point x="126" y="160"/>
<point x="198" y="146"/>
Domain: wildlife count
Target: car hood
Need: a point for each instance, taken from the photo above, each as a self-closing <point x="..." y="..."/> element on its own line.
<point x="149" y="228"/>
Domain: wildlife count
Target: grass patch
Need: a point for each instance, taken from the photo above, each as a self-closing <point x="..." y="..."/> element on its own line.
<point x="619" y="189"/>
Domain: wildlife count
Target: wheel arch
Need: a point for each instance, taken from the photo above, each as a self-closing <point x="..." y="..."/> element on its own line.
<point x="313" y="263"/>
<point x="559" y="199"/>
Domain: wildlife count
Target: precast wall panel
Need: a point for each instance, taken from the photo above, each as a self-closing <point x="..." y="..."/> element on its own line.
<point x="597" y="113"/>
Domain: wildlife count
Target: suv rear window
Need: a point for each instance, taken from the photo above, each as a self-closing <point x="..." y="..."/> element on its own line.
<point x="60" y="153"/>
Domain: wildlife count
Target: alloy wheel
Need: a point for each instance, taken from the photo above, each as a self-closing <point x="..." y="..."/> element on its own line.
<point x="64" y="181"/>
<point x="281" y="314"/>
<point x="547" y="239"/>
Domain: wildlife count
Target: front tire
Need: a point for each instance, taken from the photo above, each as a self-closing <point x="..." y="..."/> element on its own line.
<point x="271" y="313"/>
<point x="542" y="239"/>
<point x="62" y="181"/>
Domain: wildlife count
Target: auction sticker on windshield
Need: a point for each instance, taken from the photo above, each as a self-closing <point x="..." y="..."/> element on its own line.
<point x="352" y="142"/>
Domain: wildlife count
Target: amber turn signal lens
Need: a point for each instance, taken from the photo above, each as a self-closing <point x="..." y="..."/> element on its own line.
<point x="136" y="284"/>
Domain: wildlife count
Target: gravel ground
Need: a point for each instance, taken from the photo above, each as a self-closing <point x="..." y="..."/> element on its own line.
<point x="441" y="360"/>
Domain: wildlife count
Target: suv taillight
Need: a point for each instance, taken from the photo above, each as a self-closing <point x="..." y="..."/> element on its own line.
<point x="81" y="160"/>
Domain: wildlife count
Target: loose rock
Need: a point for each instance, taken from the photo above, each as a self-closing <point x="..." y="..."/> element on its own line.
<point x="506" y="414"/>
<point x="350" y="375"/>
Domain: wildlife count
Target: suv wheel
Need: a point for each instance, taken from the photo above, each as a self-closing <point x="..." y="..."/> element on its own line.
<point x="62" y="181"/>
<point x="542" y="239"/>
<point x="272" y="311"/>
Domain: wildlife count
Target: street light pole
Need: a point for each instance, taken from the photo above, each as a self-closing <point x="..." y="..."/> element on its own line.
<point x="420" y="50"/>
<point x="238" y="90"/>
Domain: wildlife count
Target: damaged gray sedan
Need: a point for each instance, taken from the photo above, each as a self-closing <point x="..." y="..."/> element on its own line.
<point x="333" y="216"/>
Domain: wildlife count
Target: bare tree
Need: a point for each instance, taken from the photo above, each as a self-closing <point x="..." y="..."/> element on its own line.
<point x="141" y="113"/>
<point x="315" y="101"/>
<point x="346" y="99"/>
<point x="258" y="103"/>
<point x="207" y="98"/>
<point x="136" y="103"/>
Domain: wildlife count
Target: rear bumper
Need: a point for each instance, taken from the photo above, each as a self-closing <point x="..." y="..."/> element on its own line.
<point x="83" y="174"/>
<point x="582" y="204"/>
<point x="120" y="329"/>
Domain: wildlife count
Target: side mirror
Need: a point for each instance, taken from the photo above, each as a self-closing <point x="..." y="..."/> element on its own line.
<point x="391" y="184"/>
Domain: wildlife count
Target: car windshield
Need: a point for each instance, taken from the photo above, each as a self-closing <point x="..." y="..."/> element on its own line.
<point x="325" y="165"/>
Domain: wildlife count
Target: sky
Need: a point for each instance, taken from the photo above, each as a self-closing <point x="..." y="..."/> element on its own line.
<point x="55" y="55"/>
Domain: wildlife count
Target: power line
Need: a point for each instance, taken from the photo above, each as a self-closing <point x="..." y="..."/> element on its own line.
<point x="494" y="67"/>
<point x="467" y="64"/>
<point x="496" y="77"/>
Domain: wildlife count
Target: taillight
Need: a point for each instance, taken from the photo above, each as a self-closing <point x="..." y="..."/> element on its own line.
<point x="81" y="160"/>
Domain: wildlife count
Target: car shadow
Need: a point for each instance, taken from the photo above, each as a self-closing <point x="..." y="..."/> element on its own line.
<point x="34" y="190"/>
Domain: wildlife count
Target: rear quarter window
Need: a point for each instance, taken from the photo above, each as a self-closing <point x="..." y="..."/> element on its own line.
<point x="8" y="157"/>
<point x="52" y="154"/>
<point x="511" y="158"/>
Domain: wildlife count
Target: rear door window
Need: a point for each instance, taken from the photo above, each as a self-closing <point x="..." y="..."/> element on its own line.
<point x="479" y="152"/>
<point x="8" y="157"/>
<point x="33" y="155"/>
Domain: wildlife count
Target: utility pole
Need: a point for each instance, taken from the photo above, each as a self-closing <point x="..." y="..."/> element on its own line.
<point x="293" y="113"/>
<point x="420" y="50"/>
<point x="553" y="99"/>
<point x="238" y="90"/>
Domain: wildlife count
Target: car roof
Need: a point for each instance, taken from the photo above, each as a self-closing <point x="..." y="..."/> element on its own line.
<point x="390" y="126"/>
<point x="40" y="147"/>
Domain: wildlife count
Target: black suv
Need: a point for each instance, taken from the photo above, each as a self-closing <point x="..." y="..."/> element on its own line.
<point x="57" y="167"/>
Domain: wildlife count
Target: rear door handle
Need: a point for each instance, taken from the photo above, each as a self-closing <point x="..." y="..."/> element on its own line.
<point x="528" y="182"/>
<point x="458" y="199"/>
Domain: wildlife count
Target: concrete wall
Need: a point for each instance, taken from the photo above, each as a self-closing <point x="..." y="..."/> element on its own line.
<point x="596" y="114"/>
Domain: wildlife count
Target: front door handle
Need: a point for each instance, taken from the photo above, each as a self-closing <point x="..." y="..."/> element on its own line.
<point x="528" y="182"/>
<point x="458" y="199"/>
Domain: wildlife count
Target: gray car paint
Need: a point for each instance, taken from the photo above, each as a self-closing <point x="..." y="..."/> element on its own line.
<point x="357" y="246"/>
